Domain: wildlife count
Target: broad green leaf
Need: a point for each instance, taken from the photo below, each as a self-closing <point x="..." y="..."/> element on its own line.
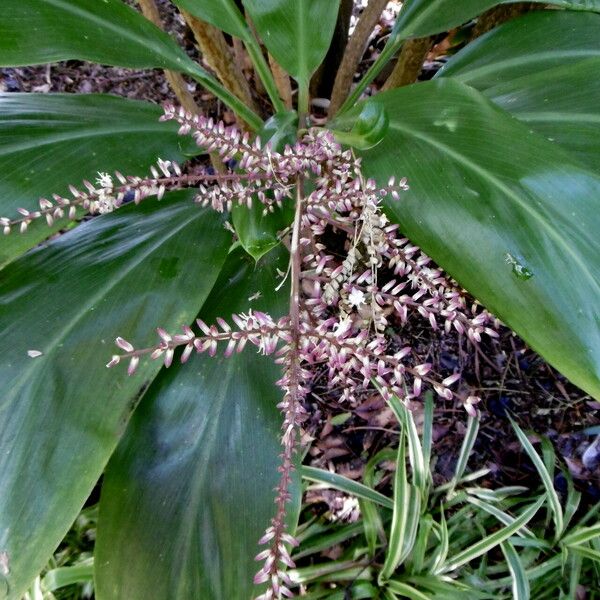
<point x="189" y="491"/>
<point x="104" y="31"/>
<point x="531" y="44"/>
<point x="491" y="541"/>
<point x="62" y="413"/>
<point x="520" y="586"/>
<point x="48" y="141"/>
<point x="107" y="31"/>
<point x="339" y="482"/>
<point x="507" y="213"/>
<point x="258" y="232"/>
<point x="420" y="18"/>
<point x="223" y="14"/>
<point x="296" y="32"/>
<point x="226" y="15"/>
<point x="547" y="480"/>
<point x="539" y="71"/>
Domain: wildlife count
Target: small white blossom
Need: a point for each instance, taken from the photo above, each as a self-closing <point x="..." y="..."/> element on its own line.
<point x="356" y="298"/>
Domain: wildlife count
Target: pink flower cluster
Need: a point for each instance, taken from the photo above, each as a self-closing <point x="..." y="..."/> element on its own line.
<point x="348" y="298"/>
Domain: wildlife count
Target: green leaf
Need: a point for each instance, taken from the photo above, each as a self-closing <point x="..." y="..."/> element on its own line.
<point x="63" y="412"/>
<point x="405" y="496"/>
<point x="226" y="15"/>
<point x="465" y="451"/>
<point x="520" y="586"/>
<point x="339" y="482"/>
<point x="223" y="14"/>
<point x="257" y="232"/>
<point x="64" y="576"/>
<point x="108" y="32"/>
<point x="491" y="541"/>
<point x="189" y="491"/>
<point x="536" y="69"/>
<point x="104" y="31"/>
<point x="547" y="480"/>
<point x="368" y="129"/>
<point x="508" y="214"/>
<point x="296" y="32"/>
<point x="582" y="535"/>
<point x="420" y="18"/>
<point x="407" y="591"/>
<point x="50" y="140"/>
<point x="531" y="44"/>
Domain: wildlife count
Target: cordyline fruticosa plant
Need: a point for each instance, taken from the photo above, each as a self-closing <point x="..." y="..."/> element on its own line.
<point x="501" y="155"/>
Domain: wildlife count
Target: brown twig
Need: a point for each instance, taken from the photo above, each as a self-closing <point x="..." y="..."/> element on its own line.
<point x="354" y="51"/>
<point x="409" y="64"/>
<point x="282" y="81"/>
<point x="499" y="14"/>
<point x="219" y="56"/>
<point x="176" y="80"/>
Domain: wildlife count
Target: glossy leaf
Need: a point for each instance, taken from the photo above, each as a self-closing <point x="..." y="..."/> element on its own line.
<point x="105" y="31"/>
<point x="258" y="232"/>
<point x="420" y="18"/>
<point x="296" y="32"/>
<point x="189" y="491"/>
<point x="522" y="47"/>
<point x="223" y="14"/>
<point x="48" y="141"/>
<point x="62" y="413"/>
<point x="108" y="31"/>
<point x="512" y="217"/>
<point x="539" y="71"/>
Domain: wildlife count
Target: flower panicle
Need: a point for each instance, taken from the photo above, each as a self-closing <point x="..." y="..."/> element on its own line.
<point x="102" y="196"/>
<point x="354" y="277"/>
<point x="256" y="327"/>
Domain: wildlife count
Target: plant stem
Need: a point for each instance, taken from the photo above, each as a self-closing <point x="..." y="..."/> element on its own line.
<point x="409" y="64"/>
<point x="264" y="72"/>
<point x="282" y="81"/>
<point x="303" y="100"/>
<point x="218" y="55"/>
<point x="176" y="81"/>
<point x="353" y="53"/>
<point x="393" y="45"/>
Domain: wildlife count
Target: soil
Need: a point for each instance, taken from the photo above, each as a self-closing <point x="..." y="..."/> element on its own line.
<point x="510" y="378"/>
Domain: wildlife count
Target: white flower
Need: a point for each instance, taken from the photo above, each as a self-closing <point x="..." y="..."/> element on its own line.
<point x="104" y="180"/>
<point x="356" y="298"/>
